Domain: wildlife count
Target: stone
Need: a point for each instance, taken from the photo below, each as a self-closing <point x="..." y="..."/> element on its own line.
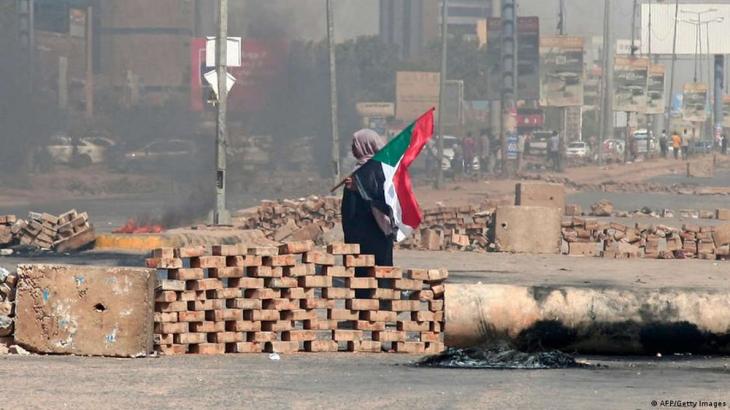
<point x="602" y="208"/>
<point x="85" y="310"/>
<point x="722" y="214"/>
<point x="527" y="229"/>
<point x="15" y="349"/>
<point x="540" y="194"/>
<point x="721" y="235"/>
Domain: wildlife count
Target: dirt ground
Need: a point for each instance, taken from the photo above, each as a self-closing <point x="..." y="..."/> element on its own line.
<point x="326" y="381"/>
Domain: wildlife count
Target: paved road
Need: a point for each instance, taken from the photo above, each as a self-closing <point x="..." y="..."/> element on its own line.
<point x="350" y="381"/>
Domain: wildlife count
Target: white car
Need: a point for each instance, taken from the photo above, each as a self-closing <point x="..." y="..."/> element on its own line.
<point x="578" y="149"/>
<point x="87" y="150"/>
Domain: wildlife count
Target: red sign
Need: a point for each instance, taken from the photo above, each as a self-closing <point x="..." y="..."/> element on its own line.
<point x="262" y="64"/>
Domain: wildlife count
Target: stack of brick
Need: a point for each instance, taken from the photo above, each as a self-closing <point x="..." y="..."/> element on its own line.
<point x="451" y="228"/>
<point x="236" y="299"/>
<point x="8" y="283"/>
<point x="7" y="234"/>
<point x="68" y="231"/>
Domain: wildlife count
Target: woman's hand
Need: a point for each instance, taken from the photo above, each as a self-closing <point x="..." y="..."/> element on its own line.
<point x="348" y="184"/>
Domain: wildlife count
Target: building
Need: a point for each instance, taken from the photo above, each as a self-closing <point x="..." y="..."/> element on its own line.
<point x="413" y="24"/>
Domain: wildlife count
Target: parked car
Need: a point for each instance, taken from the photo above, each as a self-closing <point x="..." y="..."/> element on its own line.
<point x="645" y="142"/>
<point x="578" y="149"/>
<point x="85" y="151"/>
<point x="162" y="150"/>
<point x="702" y="147"/>
<point x="450" y="142"/>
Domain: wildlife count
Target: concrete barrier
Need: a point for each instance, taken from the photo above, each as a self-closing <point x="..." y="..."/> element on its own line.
<point x="527" y="229"/>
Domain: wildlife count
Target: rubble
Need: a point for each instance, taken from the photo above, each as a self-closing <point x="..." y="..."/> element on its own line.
<point x="602" y="208"/>
<point x="297" y="297"/>
<point x="8" y="284"/>
<point x="66" y="232"/>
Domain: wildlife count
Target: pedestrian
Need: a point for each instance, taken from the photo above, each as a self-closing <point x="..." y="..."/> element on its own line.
<point x="554" y="151"/>
<point x="676" y="144"/>
<point x="520" y="151"/>
<point x="723" y="144"/>
<point x="484" y="146"/>
<point x="685" y="145"/>
<point x="470" y="149"/>
<point x="663" y="144"/>
<point x="366" y="218"/>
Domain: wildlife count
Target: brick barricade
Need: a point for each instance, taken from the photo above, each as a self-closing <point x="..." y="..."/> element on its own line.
<point x="294" y="298"/>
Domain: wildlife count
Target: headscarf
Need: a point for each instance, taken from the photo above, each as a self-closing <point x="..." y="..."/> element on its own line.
<point x="365" y="144"/>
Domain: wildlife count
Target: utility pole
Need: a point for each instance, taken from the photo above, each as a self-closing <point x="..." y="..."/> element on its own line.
<point x="333" y="92"/>
<point x="561" y="19"/>
<point x="627" y="136"/>
<point x="221" y="216"/>
<point x="26" y="34"/>
<point x="606" y="81"/>
<point x="719" y="85"/>
<point x="442" y="90"/>
<point x="509" y="76"/>
<point x="89" y="86"/>
<point x="674" y="64"/>
<point x="495" y="106"/>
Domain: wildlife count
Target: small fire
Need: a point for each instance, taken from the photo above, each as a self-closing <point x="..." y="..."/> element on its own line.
<point x="132" y="226"/>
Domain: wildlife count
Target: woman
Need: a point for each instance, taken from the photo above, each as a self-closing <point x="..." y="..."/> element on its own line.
<point x="365" y="215"/>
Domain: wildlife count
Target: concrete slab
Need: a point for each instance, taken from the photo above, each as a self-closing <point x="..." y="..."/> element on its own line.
<point x="85" y="310"/>
<point x="527" y="229"/>
<point x="533" y="193"/>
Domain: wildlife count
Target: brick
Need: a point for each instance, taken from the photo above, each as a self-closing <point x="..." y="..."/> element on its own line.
<point x="340" y="248"/>
<point x="583" y="248"/>
<point x="214" y="304"/>
<point x="246" y="283"/>
<point x="353" y="261"/>
<point x="298" y="293"/>
<point x="437" y="274"/>
<point x="423" y="316"/>
<point x="191" y="316"/>
<point x="204" y="284"/>
<point x="207" y="327"/>
<point x="262" y="272"/>
<point x="281" y="283"/>
<point x="389" y="336"/>
<point x="317" y="304"/>
<point x="384" y="294"/>
<point x="378" y="316"/>
<point x="227" y="337"/>
<point x="337" y="293"/>
<point x="190" y="338"/>
<point x="321" y="346"/>
<point x="208" y="262"/>
<point x="722" y="214"/>
<point x="361" y="283"/>
<point x="222" y="315"/>
<point x="208" y="348"/>
<point x="346" y="335"/>
<point x="436" y="305"/>
<point x="408" y="284"/>
<point x="247" y="304"/>
<point x="263" y="251"/>
<point x="432" y="337"/>
<point x="276" y="326"/>
<point x="405" y="305"/>
<point x="296" y="247"/>
<point x="298" y="335"/>
<point x="244" y="261"/>
<point x="187" y="274"/>
<point x="228" y="272"/>
<point x="224" y="250"/>
<point x="163" y="253"/>
<point x="171" y="328"/>
<point x="410" y="347"/>
<point x="258" y="315"/>
<point x="342" y="314"/>
<point x="298" y="315"/>
<point x="305" y="269"/>
<point x="416" y="274"/>
<point x="165" y="317"/>
<point x="261" y="337"/>
<point x="171" y="306"/>
<point x="366" y="346"/>
<point x="225" y="293"/>
<point x="362" y="304"/>
<point x="243" y="326"/>
<point x="370" y="326"/>
<point x="172" y="350"/>
<point x="315" y="281"/>
<point x="338" y="272"/>
<point x="385" y="272"/>
<point x="165" y="296"/>
<point x="280" y="260"/>
<point x="249" y="347"/>
<point x="163" y="339"/>
<point x="410" y="326"/>
<point x="318" y="258"/>
<point x="320" y="324"/>
<point x="164" y="263"/>
<point x="281" y="304"/>
<point x="438" y="290"/>
<point x="262" y="293"/>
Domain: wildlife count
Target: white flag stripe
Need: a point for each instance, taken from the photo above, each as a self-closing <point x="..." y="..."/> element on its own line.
<point x="391" y="198"/>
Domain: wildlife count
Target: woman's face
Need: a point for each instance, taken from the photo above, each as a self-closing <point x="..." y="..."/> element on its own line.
<point x="352" y="148"/>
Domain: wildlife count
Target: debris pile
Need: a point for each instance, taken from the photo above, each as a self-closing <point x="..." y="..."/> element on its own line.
<point x="66" y="232"/>
<point x="499" y="357"/>
<point x="8" y="282"/>
<point x="236" y="299"/>
<point x="452" y="228"/>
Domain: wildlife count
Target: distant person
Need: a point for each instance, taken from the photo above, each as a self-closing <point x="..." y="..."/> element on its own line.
<point x="554" y="151"/>
<point x="723" y="144"/>
<point x="685" y="145"/>
<point x="520" y="150"/>
<point x="663" y="144"/>
<point x="676" y="144"/>
<point x="483" y="148"/>
<point x="470" y="149"/>
<point x="457" y="162"/>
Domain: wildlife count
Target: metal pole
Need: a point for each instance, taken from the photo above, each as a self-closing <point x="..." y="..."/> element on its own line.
<point x="89" y="89"/>
<point x="627" y="136"/>
<point x="674" y="63"/>
<point x="607" y="81"/>
<point x="719" y="85"/>
<point x="333" y="93"/>
<point x="495" y="107"/>
<point x="442" y="89"/>
<point x="561" y="18"/>
<point x="221" y="216"/>
<point x="509" y="75"/>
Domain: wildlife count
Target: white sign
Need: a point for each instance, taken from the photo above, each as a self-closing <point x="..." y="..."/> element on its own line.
<point x="212" y="78"/>
<point x="233" y="57"/>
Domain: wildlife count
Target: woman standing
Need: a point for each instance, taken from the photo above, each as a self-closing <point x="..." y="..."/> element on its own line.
<point x="366" y="218"/>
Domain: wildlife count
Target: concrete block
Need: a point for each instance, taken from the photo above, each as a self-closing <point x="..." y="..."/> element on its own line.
<point x="528" y="229"/>
<point x="85" y="310"/>
<point x="583" y="249"/>
<point x="722" y="214"/>
<point x="721" y="235"/>
<point x="540" y="194"/>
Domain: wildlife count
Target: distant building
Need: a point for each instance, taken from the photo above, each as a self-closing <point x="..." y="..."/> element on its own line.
<point x="413" y="24"/>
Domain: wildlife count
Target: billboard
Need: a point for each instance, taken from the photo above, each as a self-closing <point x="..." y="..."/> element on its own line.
<point x="655" y="101"/>
<point x="662" y="28"/>
<point x="630" y="77"/>
<point x="726" y="111"/>
<point x="694" y="102"/>
<point x="415" y="93"/>
<point x="528" y="54"/>
<point x="561" y="71"/>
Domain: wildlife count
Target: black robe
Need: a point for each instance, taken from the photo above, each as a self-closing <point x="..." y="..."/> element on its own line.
<point x="358" y="221"/>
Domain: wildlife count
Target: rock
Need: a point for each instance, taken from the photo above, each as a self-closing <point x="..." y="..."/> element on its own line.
<point x="6" y="326"/>
<point x="15" y="349"/>
<point x="602" y="208"/>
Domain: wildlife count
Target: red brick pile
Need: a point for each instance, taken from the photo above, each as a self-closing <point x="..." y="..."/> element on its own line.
<point x="451" y="228"/>
<point x="68" y="231"/>
<point x="236" y="299"/>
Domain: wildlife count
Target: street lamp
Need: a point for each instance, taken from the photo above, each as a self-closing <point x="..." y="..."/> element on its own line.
<point x="697" y="22"/>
